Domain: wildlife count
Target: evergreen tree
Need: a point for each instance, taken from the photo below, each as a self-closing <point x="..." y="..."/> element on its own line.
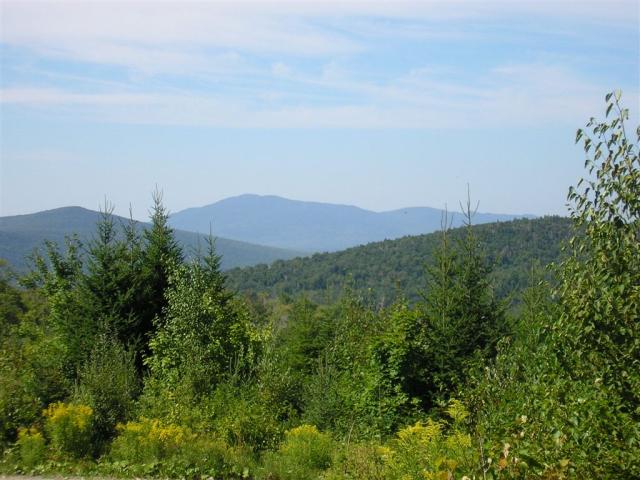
<point x="58" y="276"/>
<point x="161" y="253"/>
<point x="462" y="319"/>
<point x="442" y="332"/>
<point x="132" y="259"/>
<point x="108" y="290"/>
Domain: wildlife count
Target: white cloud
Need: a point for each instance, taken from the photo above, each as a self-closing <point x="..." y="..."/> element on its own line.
<point x="164" y="36"/>
<point x="219" y="41"/>
<point x="524" y="95"/>
<point x="49" y="96"/>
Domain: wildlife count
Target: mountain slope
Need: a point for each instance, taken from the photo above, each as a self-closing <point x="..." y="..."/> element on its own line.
<point x="311" y="226"/>
<point x="381" y="271"/>
<point x="20" y="234"/>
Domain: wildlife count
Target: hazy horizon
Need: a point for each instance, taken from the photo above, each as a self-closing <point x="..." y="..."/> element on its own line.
<point x="145" y="217"/>
<point x="378" y="105"/>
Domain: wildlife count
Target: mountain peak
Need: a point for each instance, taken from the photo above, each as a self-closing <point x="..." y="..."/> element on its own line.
<point x="311" y="226"/>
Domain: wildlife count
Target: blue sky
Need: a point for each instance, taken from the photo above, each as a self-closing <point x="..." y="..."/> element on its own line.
<point x="377" y="104"/>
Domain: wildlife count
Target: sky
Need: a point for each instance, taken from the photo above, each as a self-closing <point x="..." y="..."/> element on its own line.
<point x="382" y="105"/>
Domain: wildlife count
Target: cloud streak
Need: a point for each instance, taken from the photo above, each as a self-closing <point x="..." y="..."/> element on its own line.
<point x="275" y="65"/>
<point x="169" y="36"/>
<point x="52" y="97"/>
<point x="520" y="95"/>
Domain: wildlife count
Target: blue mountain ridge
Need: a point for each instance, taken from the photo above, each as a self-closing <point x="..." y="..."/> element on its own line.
<point x="313" y="226"/>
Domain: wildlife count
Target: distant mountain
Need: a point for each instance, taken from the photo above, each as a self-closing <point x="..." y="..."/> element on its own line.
<point x="20" y="234"/>
<point x="383" y="271"/>
<point x="312" y="226"/>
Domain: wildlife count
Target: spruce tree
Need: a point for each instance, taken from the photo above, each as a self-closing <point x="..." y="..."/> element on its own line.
<point x="132" y="261"/>
<point x="58" y="275"/>
<point x="462" y="320"/>
<point x="161" y="253"/>
<point x="108" y="288"/>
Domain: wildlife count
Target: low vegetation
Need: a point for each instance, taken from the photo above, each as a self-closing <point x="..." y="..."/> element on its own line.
<point x="128" y="360"/>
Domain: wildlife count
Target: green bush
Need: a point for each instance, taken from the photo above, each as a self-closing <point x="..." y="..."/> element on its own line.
<point x="570" y="374"/>
<point x="361" y="461"/>
<point x="69" y="428"/>
<point x="108" y="383"/>
<point x="32" y="447"/>
<point x="149" y="440"/>
<point x="244" y="419"/>
<point x="18" y="405"/>
<point x="432" y="450"/>
<point x="31" y="373"/>
<point x="305" y="454"/>
<point x="204" y="335"/>
<point x="151" y="447"/>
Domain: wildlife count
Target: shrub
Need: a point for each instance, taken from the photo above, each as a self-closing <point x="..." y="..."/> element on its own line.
<point x="149" y="440"/>
<point x="69" y="428"/>
<point x="32" y="447"/>
<point x="243" y="418"/>
<point x="359" y="461"/>
<point x="151" y="447"/>
<point x="109" y="385"/>
<point x="31" y="372"/>
<point x="204" y="335"/>
<point x="570" y="373"/>
<point x="18" y="405"/>
<point x="304" y="454"/>
<point x="237" y="414"/>
<point x="432" y="450"/>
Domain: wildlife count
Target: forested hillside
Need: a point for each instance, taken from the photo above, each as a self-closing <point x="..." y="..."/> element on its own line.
<point x="384" y="271"/>
<point x="20" y="234"/>
<point x="133" y="360"/>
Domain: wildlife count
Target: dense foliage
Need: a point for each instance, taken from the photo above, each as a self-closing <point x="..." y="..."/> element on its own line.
<point x="384" y="272"/>
<point x="129" y="360"/>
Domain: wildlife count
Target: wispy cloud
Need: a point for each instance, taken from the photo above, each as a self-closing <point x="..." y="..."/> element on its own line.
<point x="266" y="64"/>
<point x="517" y="95"/>
<point x="168" y="36"/>
<point x="160" y="37"/>
<point x="49" y="96"/>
